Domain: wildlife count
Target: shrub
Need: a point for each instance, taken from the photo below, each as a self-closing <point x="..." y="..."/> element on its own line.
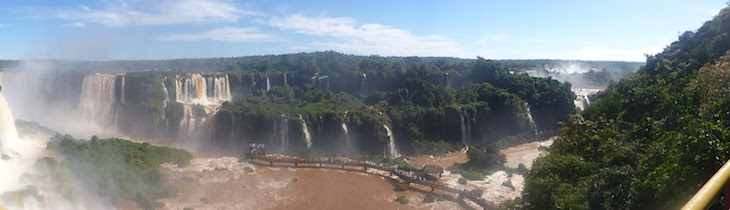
<point x="462" y="181"/>
<point x="521" y="169"/>
<point x="401" y="187"/>
<point x="472" y="175"/>
<point x="429" y="198"/>
<point x="477" y="192"/>
<point x="508" y="183"/>
<point x="402" y="199"/>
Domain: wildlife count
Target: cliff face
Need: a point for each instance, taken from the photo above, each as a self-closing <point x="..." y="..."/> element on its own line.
<point x="376" y="106"/>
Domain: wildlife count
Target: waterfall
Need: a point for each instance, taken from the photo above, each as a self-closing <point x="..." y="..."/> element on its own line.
<point x="123" y="95"/>
<point x="533" y="126"/>
<point x="390" y="151"/>
<point x="364" y="84"/>
<point x="8" y="133"/>
<point x="286" y="79"/>
<point x="284" y="133"/>
<point x="164" y="103"/>
<point x="465" y="127"/>
<point x="11" y="169"/>
<point x="187" y="123"/>
<point x="164" y="89"/>
<point x="233" y="128"/>
<point x="305" y="130"/>
<point x="582" y="99"/>
<point x="268" y="84"/>
<point x="346" y="134"/>
<point x="177" y="84"/>
<point x="97" y="97"/>
<point x="196" y="89"/>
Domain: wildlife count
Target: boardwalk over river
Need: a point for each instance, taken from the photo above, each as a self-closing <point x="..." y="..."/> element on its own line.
<point x="408" y="177"/>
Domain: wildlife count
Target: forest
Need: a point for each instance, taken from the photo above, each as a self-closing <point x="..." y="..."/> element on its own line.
<point x="649" y="141"/>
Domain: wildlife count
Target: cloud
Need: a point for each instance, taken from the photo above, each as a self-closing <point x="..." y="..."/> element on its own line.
<point x="368" y="38"/>
<point x="227" y="34"/>
<point x="165" y="12"/>
<point x="622" y="54"/>
<point x="76" y="24"/>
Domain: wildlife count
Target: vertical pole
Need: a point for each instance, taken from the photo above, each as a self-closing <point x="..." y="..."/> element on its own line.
<point x="726" y="201"/>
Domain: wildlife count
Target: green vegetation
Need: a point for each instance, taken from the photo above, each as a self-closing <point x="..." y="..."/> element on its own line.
<point x="429" y="198"/>
<point x="402" y="199"/>
<point x="648" y="142"/>
<point x="477" y="192"/>
<point x="401" y="187"/>
<point x="481" y="161"/>
<point x="116" y="167"/>
<point x="433" y="147"/>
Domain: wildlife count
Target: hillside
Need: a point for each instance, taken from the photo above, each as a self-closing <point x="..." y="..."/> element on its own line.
<point x="648" y="142"/>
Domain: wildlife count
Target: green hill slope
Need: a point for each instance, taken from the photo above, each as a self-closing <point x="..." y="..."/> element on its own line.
<point x="648" y="142"/>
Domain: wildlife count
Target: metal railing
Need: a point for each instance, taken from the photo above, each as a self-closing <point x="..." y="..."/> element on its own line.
<point x="704" y="198"/>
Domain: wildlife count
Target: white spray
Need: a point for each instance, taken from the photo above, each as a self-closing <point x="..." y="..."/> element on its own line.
<point x="391" y="151"/>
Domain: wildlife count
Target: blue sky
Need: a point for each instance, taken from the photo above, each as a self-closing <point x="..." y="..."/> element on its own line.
<point x="162" y="29"/>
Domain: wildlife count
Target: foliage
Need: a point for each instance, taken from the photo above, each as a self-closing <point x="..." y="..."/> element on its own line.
<point x="472" y="174"/>
<point x="647" y="142"/>
<point x="477" y="192"/>
<point x="402" y="199"/>
<point x="433" y="147"/>
<point x="401" y="187"/>
<point x="462" y="181"/>
<point x="429" y="198"/>
<point x="112" y="166"/>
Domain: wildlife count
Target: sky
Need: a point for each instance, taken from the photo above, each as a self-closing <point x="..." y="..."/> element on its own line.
<point x="623" y="30"/>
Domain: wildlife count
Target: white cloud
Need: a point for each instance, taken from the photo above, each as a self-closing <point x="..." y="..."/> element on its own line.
<point x="616" y="54"/>
<point x="368" y="38"/>
<point x="165" y="12"/>
<point x="222" y="34"/>
<point x="76" y="25"/>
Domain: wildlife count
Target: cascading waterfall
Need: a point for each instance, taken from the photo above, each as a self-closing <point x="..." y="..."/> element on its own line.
<point x="123" y="95"/>
<point x="390" y="151"/>
<point x="196" y="89"/>
<point x="188" y="122"/>
<point x="177" y="84"/>
<point x="17" y="156"/>
<point x="233" y="128"/>
<point x="465" y="127"/>
<point x="286" y="80"/>
<point x="8" y="132"/>
<point x="533" y="126"/>
<point x="268" y="84"/>
<point x="10" y="168"/>
<point x="284" y="133"/>
<point x="346" y="134"/>
<point x="305" y="130"/>
<point x="164" y="103"/>
<point x="97" y="98"/>
<point x="582" y="99"/>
